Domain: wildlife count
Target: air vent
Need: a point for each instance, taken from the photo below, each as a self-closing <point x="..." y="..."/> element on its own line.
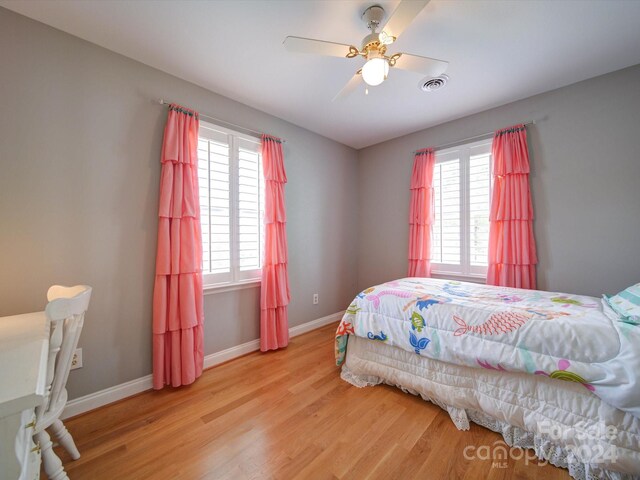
<point x="431" y="84"/>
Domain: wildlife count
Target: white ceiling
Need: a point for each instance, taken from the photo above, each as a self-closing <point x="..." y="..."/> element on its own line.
<point x="499" y="51"/>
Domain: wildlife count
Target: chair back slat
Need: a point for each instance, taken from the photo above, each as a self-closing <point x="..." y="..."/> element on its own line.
<point x="65" y="310"/>
<point x="72" y="327"/>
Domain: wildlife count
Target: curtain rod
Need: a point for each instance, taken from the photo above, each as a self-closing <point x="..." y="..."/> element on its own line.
<point x="253" y="133"/>
<point x="458" y="142"/>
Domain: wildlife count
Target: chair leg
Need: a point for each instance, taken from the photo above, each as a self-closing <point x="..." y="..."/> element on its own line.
<point x="65" y="438"/>
<point x="52" y="464"/>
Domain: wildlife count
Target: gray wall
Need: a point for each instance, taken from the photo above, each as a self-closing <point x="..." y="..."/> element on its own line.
<point x="80" y="140"/>
<point x="585" y="183"/>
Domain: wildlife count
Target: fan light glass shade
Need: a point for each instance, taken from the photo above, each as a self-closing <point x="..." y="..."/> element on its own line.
<point x="375" y="71"/>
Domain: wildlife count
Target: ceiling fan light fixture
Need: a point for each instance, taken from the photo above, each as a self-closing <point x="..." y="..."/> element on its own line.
<point x="375" y="71"/>
<point x="374" y="48"/>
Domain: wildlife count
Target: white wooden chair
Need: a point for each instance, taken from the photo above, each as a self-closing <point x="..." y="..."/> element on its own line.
<point x="65" y="310"/>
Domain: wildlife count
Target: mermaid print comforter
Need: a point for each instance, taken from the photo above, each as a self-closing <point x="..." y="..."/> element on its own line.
<point x="567" y="337"/>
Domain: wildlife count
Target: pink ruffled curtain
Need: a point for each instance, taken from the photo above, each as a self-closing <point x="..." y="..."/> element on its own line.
<point x="512" y="247"/>
<point x="274" y="295"/>
<point x="178" y="352"/>
<point x="421" y="214"/>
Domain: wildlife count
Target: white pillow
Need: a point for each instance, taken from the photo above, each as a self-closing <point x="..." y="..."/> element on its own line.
<point x="627" y="304"/>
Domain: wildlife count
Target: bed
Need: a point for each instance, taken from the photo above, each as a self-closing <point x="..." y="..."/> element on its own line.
<point x="554" y="372"/>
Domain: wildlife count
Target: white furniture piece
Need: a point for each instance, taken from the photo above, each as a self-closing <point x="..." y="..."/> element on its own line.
<point x="24" y="346"/>
<point x="36" y="351"/>
<point x="65" y="311"/>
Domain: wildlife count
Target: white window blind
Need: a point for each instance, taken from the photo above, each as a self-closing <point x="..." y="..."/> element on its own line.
<point x="462" y="192"/>
<point x="479" y="202"/>
<point x="250" y="209"/>
<point x="446" y="230"/>
<point x="231" y="188"/>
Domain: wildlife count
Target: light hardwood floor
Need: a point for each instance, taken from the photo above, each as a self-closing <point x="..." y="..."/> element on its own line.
<point x="281" y="415"/>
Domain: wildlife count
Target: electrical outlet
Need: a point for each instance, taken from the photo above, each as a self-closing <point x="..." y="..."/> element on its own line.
<point x="315" y="298"/>
<point x="76" y="361"/>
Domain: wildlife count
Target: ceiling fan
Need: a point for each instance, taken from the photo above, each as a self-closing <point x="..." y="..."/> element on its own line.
<point x="374" y="47"/>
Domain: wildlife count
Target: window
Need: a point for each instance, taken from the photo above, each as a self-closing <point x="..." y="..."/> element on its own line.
<point x="231" y="205"/>
<point x="462" y="191"/>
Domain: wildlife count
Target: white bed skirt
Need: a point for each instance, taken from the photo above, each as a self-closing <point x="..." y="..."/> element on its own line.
<point x="562" y="421"/>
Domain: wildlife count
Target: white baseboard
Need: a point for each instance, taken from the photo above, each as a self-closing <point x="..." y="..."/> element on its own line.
<point x="313" y="324"/>
<point x="106" y="396"/>
<point x="231" y="353"/>
<point x="127" y="389"/>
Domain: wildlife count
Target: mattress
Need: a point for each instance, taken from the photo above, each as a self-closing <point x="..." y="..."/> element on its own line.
<point x="570" y="337"/>
<point x="563" y="422"/>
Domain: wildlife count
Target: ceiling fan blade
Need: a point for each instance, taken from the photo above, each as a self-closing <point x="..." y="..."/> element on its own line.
<point x="319" y="47"/>
<point x="349" y="88"/>
<point x="402" y="17"/>
<point x="423" y="65"/>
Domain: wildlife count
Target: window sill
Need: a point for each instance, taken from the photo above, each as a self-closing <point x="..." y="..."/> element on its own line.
<point x="230" y="287"/>
<point x="462" y="278"/>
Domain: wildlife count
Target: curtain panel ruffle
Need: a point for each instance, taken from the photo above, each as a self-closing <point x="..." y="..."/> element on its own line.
<point x="176" y="304"/>
<point x="421" y="211"/>
<point x="178" y="354"/>
<point x="420" y="242"/>
<point x="272" y="148"/>
<point x="515" y="276"/>
<point x="274" y="292"/>
<point x="513" y="243"/>
<point x="275" y="244"/>
<point x="421" y="214"/>
<point x="511" y="198"/>
<point x="274" y="276"/>
<point x="420" y="268"/>
<point x="512" y="246"/>
<point x="178" y="345"/>
<point x="510" y="151"/>
<point x="177" y="250"/>
<point x="274" y="208"/>
<point x="178" y="190"/>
